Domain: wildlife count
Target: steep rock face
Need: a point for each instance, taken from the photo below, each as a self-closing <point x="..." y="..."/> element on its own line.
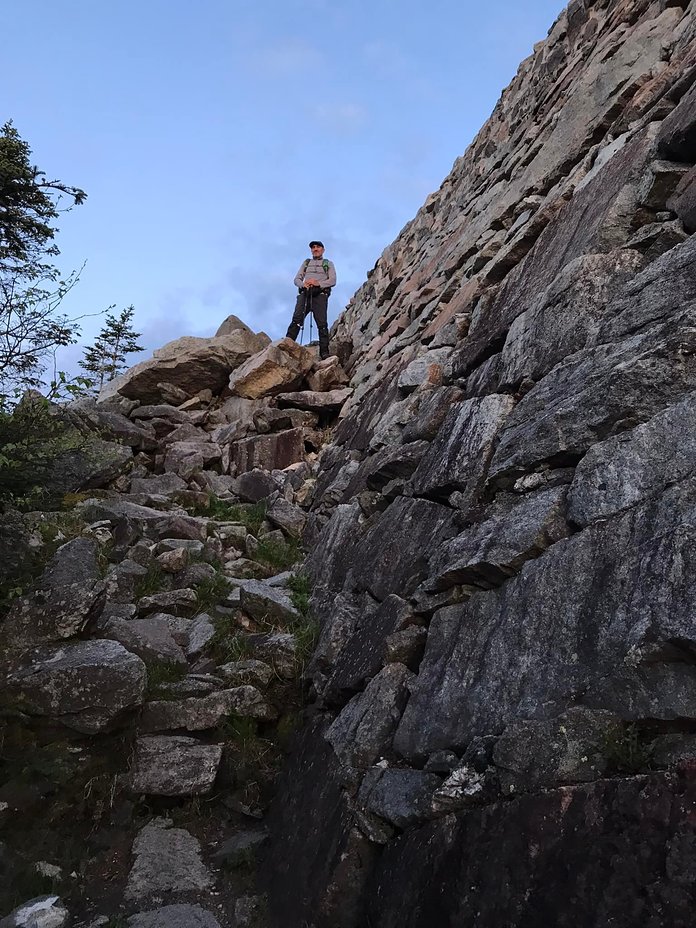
<point x="511" y="487"/>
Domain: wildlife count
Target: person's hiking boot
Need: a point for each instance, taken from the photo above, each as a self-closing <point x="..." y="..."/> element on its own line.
<point x="323" y="345"/>
<point x="293" y="331"/>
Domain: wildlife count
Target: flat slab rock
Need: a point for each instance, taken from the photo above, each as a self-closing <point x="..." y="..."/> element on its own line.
<point x="331" y="401"/>
<point x="167" y="860"/>
<point x="265" y="602"/>
<point x="174" y="765"/>
<point x="590" y="621"/>
<point x="174" y="916"/>
<point x="198" y="714"/>
<point x="629" y="468"/>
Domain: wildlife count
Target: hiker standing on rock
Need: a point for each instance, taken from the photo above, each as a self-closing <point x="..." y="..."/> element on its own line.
<point x="315" y="278"/>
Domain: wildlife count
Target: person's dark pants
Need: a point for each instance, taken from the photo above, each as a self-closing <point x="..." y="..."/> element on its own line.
<point x="313" y="300"/>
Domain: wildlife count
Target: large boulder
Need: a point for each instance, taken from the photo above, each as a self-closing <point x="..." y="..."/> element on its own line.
<point x="283" y="365"/>
<point x="85" y="685"/>
<point x="67" y="598"/>
<point x="190" y="363"/>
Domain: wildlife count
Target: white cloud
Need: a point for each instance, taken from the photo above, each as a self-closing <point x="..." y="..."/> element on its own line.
<point x="341" y="118"/>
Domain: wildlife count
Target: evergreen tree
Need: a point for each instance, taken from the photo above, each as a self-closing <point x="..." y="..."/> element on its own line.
<point x="31" y="323"/>
<point x="107" y="356"/>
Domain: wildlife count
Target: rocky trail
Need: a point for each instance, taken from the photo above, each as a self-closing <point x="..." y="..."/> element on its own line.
<point x="154" y="669"/>
<point x="406" y="637"/>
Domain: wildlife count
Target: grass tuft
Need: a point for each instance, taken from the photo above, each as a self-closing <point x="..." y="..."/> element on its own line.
<point x="279" y="554"/>
<point x="211" y="592"/>
<point x="301" y="591"/>
<point x="152" y="582"/>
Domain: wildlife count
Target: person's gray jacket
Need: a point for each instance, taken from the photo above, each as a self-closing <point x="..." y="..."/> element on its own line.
<point x="315" y="270"/>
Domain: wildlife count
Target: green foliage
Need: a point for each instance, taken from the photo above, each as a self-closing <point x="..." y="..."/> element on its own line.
<point x="31" y="440"/>
<point x="28" y="206"/>
<point x="228" y="644"/>
<point x="278" y="554"/>
<point x="625" y="749"/>
<point x="211" y="591"/>
<point x="250" y="515"/>
<point x="301" y="591"/>
<point x="106" y="358"/>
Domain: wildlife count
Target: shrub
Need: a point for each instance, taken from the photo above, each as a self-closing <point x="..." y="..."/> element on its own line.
<point x="31" y="440"/>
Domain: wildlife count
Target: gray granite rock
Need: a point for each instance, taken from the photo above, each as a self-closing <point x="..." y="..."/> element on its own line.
<point x="390" y="554"/>
<point x="151" y="639"/>
<point x="200" y="634"/>
<point x="358" y="656"/>
<point x="177" y="602"/>
<point x="489" y="552"/>
<point x="86" y="685"/>
<point x="174" y="916"/>
<point x="158" y="485"/>
<point x="40" y="912"/>
<point x="267" y="603"/>
<point x="291" y="519"/>
<point x="174" y="765"/>
<point x="562" y="318"/>
<point x="329" y="402"/>
<point x="677" y="138"/>
<point x="363" y="730"/>
<point x="570" y="748"/>
<point x="201" y="713"/>
<point x="67" y="599"/>
<point x="400" y="796"/>
<point x="238" y="673"/>
<point x="629" y="468"/>
<point x="459" y="456"/>
<point x="581" y="616"/>
<point x="167" y="860"/>
<point x="253" y="486"/>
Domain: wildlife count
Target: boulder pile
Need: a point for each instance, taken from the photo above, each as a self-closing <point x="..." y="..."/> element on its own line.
<point x="172" y="618"/>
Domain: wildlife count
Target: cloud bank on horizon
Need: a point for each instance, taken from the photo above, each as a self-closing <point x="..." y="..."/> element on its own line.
<point x="215" y="141"/>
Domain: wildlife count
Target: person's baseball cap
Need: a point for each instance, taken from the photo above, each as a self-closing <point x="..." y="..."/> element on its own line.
<point x="312" y="244"/>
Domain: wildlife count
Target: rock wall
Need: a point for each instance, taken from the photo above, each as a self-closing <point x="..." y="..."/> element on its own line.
<point x="504" y="690"/>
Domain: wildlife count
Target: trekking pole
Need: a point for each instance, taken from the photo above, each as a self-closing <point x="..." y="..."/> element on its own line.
<point x="311" y="316"/>
<point x="304" y="316"/>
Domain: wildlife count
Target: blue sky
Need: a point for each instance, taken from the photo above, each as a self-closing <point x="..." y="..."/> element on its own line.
<point x="215" y="139"/>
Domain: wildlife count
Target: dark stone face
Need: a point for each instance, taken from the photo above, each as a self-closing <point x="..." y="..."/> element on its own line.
<point x="317" y="872"/>
<point x="615" y="852"/>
